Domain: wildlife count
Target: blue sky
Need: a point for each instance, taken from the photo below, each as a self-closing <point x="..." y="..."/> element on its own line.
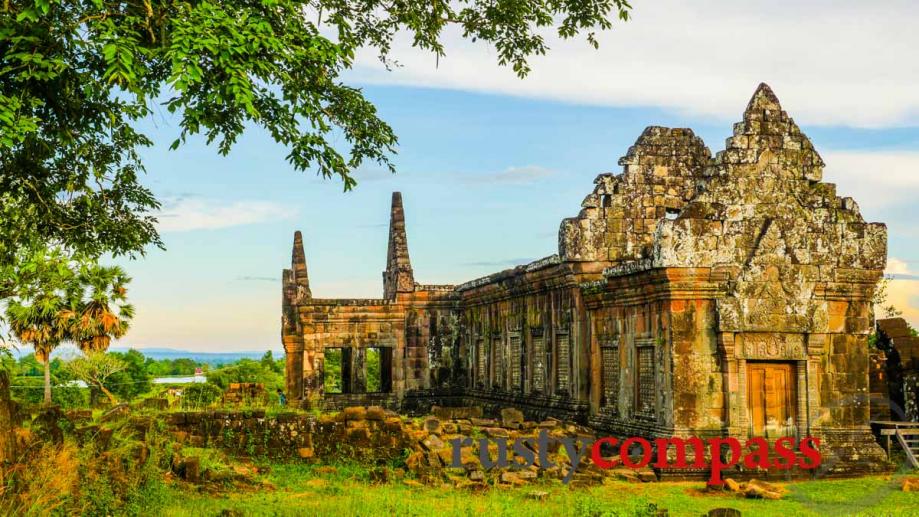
<point x="489" y="166"/>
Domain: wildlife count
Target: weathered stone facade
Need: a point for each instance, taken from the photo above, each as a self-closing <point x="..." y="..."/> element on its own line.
<point x="692" y="295"/>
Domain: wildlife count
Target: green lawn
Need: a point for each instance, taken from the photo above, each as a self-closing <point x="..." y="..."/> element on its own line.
<point x="299" y="490"/>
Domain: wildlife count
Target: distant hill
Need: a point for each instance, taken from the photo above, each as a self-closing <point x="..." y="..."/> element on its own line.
<point x="69" y="351"/>
<point x="212" y="358"/>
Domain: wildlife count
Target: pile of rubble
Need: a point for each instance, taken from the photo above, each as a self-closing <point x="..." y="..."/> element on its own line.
<point x="240" y="393"/>
<point x="433" y="444"/>
<point x="217" y="476"/>
<point x="754" y="489"/>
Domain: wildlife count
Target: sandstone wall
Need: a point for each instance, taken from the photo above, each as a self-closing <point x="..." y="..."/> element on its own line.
<point x="678" y="278"/>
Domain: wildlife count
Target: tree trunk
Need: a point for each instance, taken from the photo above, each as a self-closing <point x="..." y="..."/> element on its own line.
<point x="48" y="380"/>
<point x="111" y="397"/>
<point x="7" y="440"/>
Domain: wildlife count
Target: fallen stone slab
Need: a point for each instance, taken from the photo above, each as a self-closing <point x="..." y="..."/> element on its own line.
<point x="510" y="416"/>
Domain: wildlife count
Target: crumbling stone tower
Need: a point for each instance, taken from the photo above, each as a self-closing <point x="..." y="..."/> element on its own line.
<point x="398" y="277"/>
<point x="389" y="338"/>
<point x="759" y="295"/>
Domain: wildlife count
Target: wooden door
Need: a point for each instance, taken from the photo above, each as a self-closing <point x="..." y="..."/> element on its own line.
<point x="771" y="399"/>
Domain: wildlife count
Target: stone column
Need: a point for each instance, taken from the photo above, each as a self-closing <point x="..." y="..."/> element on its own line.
<point x="801" y="410"/>
<point x="359" y="370"/>
<point x="742" y="411"/>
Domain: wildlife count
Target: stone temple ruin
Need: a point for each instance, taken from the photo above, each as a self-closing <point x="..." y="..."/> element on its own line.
<point x="691" y="296"/>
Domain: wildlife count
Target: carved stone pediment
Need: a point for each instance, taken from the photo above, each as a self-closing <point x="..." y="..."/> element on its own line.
<point x="769" y="345"/>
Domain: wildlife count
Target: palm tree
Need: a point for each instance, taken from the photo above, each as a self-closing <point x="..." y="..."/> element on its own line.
<point x="43" y="319"/>
<point x="103" y="312"/>
<point x="58" y="297"/>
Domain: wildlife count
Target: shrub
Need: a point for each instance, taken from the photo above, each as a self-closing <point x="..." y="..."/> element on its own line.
<point x="200" y="395"/>
<point x="247" y="370"/>
<point x="41" y="481"/>
<point x="134" y="380"/>
<point x="30" y="390"/>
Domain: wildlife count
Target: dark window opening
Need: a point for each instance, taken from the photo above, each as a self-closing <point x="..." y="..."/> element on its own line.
<point x="606" y="200"/>
<point x="539" y="364"/>
<point x="386" y="370"/>
<point x="378" y="367"/>
<point x="610" y="367"/>
<point x="516" y="364"/>
<point x="672" y="213"/>
<point x="481" y="363"/>
<point x="563" y="366"/>
<point x="337" y="370"/>
<point x="372" y="364"/>
<point x="498" y="363"/>
<point x="644" y="381"/>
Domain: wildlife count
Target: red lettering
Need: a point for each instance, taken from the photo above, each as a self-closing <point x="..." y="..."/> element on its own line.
<point x="784" y="447"/>
<point x="679" y="445"/>
<point x="808" y="448"/>
<point x="597" y="457"/>
<point x="759" y="457"/>
<point x="717" y="464"/>
<point x="645" y="452"/>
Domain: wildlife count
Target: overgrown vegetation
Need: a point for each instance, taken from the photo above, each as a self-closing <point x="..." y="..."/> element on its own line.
<point x="134" y="467"/>
<point x="111" y="472"/>
<point x="133" y="380"/>
<point x="349" y="490"/>
<point x="267" y="371"/>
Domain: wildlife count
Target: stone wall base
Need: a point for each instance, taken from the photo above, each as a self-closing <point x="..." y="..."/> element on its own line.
<point x="850" y="452"/>
<point x="534" y="407"/>
<point x="337" y="401"/>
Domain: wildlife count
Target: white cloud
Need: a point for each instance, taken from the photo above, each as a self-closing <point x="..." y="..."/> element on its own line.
<point x="902" y="291"/>
<point x="189" y="214"/>
<point x="896" y="266"/>
<point x="831" y="62"/>
<point x="874" y="179"/>
<point x="903" y="294"/>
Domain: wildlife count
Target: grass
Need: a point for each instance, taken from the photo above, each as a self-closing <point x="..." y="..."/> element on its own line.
<point x="302" y="490"/>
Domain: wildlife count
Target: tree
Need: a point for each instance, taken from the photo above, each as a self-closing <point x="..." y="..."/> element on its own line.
<point x="135" y="379"/>
<point x="56" y="297"/>
<point x="95" y="368"/>
<point x="179" y="366"/>
<point x="269" y="363"/>
<point x="104" y="313"/>
<point x="77" y="76"/>
<point x="200" y="395"/>
<point x="879" y="300"/>
<point x="41" y="312"/>
<point x="246" y="370"/>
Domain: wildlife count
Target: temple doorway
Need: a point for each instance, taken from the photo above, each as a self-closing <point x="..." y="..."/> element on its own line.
<point x="771" y="399"/>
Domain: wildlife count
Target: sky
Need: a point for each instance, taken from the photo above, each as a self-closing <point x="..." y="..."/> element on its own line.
<point x="489" y="164"/>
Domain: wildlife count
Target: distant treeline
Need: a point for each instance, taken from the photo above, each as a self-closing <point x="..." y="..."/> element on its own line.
<point x="136" y="380"/>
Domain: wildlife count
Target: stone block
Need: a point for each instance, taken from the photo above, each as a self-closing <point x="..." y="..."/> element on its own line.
<point x="511" y="416"/>
<point x="483" y="422"/>
<point x="354" y="413"/>
<point x="432" y="424"/>
<point x="192" y="469"/>
<point x="375" y="413"/>
<point x="432" y="443"/>
<point x="495" y="432"/>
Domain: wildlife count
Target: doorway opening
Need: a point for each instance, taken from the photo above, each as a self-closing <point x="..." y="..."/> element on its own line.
<point x="771" y="399"/>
